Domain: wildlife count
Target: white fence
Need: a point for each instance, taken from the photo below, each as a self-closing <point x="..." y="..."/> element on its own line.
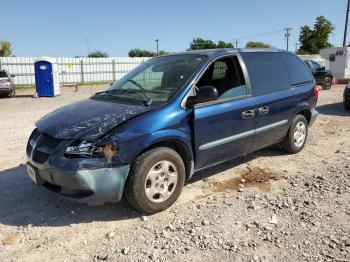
<point x="73" y="70"/>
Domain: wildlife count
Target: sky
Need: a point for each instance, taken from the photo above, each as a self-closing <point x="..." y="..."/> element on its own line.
<point x="74" y="27"/>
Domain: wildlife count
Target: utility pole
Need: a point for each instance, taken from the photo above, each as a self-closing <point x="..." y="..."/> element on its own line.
<point x="88" y="45"/>
<point x="296" y="48"/>
<point x="287" y="35"/>
<point x="346" y="24"/>
<point x="236" y="42"/>
<point x="157" y="41"/>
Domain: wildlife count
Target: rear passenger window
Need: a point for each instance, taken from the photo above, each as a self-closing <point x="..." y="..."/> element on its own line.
<point x="298" y="72"/>
<point x="267" y="72"/>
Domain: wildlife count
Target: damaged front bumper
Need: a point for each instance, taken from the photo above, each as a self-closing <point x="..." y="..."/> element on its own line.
<point x="86" y="180"/>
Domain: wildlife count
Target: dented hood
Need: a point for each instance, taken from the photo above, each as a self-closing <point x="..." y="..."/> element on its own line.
<point x="87" y="119"/>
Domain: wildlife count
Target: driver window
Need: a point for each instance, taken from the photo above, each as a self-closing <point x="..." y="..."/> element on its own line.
<point x="226" y="76"/>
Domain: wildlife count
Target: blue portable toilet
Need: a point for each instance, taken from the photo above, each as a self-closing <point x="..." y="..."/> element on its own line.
<point x="46" y="77"/>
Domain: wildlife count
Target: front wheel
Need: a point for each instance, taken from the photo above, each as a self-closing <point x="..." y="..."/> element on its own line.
<point x="156" y="180"/>
<point x="347" y="106"/>
<point x="13" y="93"/>
<point x="295" y="140"/>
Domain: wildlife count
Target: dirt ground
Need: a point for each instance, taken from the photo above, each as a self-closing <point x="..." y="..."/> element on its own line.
<point x="267" y="206"/>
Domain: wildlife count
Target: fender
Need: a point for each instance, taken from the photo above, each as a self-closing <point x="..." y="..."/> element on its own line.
<point x="129" y="150"/>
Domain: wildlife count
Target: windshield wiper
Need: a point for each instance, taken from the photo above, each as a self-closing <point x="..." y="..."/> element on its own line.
<point x="149" y="99"/>
<point x="107" y="92"/>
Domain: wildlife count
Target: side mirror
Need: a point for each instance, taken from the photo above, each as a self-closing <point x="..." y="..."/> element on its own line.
<point x="204" y="94"/>
<point x="13" y="75"/>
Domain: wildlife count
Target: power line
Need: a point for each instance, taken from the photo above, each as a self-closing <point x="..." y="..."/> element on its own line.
<point x="260" y="34"/>
<point x="236" y="41"/>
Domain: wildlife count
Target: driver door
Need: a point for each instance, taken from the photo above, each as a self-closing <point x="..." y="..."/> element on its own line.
<point x="223" y="129"/>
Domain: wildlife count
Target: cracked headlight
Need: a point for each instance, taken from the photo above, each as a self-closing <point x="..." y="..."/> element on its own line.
<point x="87" y="149"/>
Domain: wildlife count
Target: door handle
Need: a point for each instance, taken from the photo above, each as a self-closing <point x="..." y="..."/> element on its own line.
<point x="248" y="114"/>
<point x="263" y="110"/>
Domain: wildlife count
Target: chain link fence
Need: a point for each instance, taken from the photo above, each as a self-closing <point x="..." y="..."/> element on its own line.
<point x="73" y="70"/>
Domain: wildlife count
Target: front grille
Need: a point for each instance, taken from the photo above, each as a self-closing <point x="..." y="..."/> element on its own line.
<point x="40" y="157"/>
<point x="35" y="134"/>
<point x="44" y="144"/>
<point x="32" y="139"/>
<point x="29" y="148"/>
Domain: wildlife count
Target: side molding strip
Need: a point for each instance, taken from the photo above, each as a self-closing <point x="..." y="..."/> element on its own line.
<point x="242" y="135"/>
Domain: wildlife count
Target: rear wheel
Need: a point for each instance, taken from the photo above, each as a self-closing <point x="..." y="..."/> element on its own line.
<point x="156" y="180"/>
<point x="295" y="140"/>
<point x="327" y="84"/>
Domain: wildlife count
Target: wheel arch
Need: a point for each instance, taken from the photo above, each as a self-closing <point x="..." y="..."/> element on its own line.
<point x="181" y="148"/>
<point x="306" y="113"/>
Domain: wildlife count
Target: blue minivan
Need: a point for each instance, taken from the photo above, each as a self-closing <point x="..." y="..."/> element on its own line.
<point x="173" y="115"/>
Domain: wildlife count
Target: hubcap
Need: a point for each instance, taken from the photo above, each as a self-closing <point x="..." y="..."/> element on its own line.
<point x="299" y="134"/>
<point x="161" y="181"/>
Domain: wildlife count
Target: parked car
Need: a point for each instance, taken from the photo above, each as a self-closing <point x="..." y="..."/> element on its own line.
<point x="323" y="76"/>
<point x="346" y="97"/>
<point x="7" y="86"/>
<point x="171" y="116"/>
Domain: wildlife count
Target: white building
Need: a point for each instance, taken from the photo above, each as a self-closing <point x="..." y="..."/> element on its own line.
<point x="317" y="58"/>
<point x="338" y="62"/>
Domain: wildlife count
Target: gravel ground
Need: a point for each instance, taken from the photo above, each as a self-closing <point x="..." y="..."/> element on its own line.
<point x="267" y="206"/>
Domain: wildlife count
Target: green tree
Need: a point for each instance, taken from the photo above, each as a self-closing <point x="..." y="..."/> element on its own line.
<point x="313" y="40"/>
<point x="97" y="54"/>
<point x="222" y="44"/>
<point x="140" y="53"/>
<point x="200" y="43"/>
<point x="252" y="44"/>
<point x="145" y="53"/>
<point x="162" y="52"/>
<point x="5" y="48"/>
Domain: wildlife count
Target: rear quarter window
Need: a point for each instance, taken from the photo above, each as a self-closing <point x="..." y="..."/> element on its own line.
<point x="298" y="71"/>
<point x="267" y="72"/>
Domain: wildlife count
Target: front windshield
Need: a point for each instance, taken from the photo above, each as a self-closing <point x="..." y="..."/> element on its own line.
<point x="155" y="81"/>
<point x="315" y="65"/>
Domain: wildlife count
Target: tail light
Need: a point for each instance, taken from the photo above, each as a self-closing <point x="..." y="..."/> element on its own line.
<point x="5" y="80"/>
<point x="333" y="81"/>
<point x="316" y="92"/>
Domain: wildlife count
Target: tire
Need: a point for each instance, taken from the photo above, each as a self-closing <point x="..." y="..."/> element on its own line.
<point x="327" y="84"/>
<point x="291" y="144"/>
<point x="347" y="107"/>
<point x="13" y="93"/>
<point x="151" y="185"/>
